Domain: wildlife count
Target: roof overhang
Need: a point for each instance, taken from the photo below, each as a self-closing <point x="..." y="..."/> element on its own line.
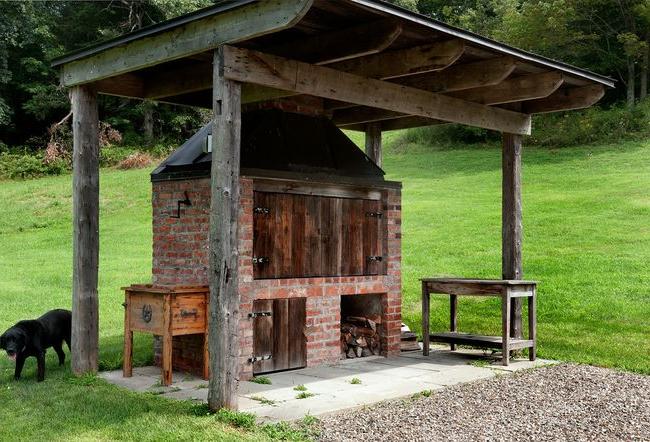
<point x="172" y="61"/>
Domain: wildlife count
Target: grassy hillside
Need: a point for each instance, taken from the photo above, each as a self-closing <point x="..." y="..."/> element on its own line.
<point x="587" y="242"/>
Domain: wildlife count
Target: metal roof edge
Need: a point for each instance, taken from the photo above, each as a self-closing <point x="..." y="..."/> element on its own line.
<point x="482" y="41"/>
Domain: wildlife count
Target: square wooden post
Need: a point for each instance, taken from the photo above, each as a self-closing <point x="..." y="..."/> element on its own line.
<point x="85" y="222"/>
<point x="223" y="325"/>
<point x="511" y="233"/>
<point x="373" y="142"/>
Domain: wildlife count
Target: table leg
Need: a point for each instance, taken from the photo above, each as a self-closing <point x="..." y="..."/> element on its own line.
<point x="127" y="364"/>
<point x="206" y="358"/>
<point x="425" y="320"/>
<point x="453" y="321"/>
<point x="167" y="343"/>
<point x="505" y="329"/>
<point x="532" y="324"/>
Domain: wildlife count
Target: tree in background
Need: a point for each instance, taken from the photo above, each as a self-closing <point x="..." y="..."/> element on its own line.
<point x="607" y="36"/>
<point x="32" y="33"/>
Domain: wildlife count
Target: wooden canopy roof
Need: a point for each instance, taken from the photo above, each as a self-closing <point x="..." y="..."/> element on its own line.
<point x="368" y="60"/>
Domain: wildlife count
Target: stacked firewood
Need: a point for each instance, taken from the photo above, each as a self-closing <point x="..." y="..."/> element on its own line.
<point x="359" y="337"/>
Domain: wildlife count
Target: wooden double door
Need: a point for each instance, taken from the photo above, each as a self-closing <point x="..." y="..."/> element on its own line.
<point x="279" y="341"/>
<point x="297" y="236"/>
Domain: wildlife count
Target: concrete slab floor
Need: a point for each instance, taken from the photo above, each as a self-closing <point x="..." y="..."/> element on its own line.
<point x="330" y="388"/>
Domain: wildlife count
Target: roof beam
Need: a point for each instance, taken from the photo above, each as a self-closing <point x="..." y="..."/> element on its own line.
<point x="343" y="44"/>
<point x="276" y="72"/>
<point x="404" y="62"/>
<point x="238" y="24"/>
<point x="566" y="99"/>
<point x="525" y="87"/>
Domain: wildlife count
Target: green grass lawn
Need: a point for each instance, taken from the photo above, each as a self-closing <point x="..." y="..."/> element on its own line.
<point x="586" y="240"/>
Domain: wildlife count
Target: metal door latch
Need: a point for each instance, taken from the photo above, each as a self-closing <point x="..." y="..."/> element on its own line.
<point x="261" y="211"/>
<point x="375" y="258"/>
<point x="261" y="260"/>
<point x="253" y="359"/>
<point x="374" y="214"/>
<point x="259" y="314"/>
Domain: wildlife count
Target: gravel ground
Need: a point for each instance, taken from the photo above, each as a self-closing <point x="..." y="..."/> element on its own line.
<point x="562" y="402"/>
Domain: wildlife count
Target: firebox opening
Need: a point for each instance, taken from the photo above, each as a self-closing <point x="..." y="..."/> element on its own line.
<point x="361" y="326"/>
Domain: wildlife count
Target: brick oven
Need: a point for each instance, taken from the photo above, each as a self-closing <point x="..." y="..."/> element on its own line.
<point x="319" y="243"/>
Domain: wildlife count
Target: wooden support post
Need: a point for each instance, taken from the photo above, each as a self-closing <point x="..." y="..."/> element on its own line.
<point x="511" y="233"/>
<point x="85" y="221"/>
<point x="223" y="328"/>
<point x="453" y="317"/>
<point x="373" y="142"/>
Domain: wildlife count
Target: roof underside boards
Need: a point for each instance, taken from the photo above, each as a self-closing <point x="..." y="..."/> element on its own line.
<point x="278" y="141"/>
<point x="172" y="62"/>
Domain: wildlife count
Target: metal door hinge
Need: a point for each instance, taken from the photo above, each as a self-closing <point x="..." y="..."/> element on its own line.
<point x="261" y="260"/>
<point x="259" y="314"/>
<point x="374" y="214"/>
<point x="375" y="258"/>
<point x="253" y="359"/>
<point x="261" y="211"/>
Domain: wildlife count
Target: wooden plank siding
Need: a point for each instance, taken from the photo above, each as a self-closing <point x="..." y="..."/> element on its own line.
<point x="303" y="236"/>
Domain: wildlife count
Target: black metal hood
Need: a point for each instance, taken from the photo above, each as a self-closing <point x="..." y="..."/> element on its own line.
<point x="273" y="140"/>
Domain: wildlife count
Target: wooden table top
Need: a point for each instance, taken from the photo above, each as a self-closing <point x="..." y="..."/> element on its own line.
<point x="470" y="281"/>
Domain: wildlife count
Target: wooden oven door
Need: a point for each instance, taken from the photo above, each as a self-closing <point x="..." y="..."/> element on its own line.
<point x="279" y="341"/>
<point x="298" y="236"/>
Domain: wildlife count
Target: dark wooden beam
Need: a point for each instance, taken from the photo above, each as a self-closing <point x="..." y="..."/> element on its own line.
<point x="85" y="236"/>
<point x="373" y="142"/>
<point x="525" y="87"/>
<point x="268" y="70"/>
<point x="362" y="114"/>
<point x="511" y="219"/>
<point x="405" y="62"/>
<point x="126" y="85"/>
<point x="223" y="328"/>
<point x="343" y="44"/>
<point x="566" y="99"/>
<point x="404" y="122"/>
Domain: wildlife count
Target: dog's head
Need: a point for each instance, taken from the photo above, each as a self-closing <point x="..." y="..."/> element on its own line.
<point x="13" y="342"/>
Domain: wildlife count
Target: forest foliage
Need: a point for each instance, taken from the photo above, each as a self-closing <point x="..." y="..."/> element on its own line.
<point x="610" y="37"/>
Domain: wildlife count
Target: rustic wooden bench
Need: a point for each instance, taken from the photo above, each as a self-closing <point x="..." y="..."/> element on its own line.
<point x="505" y="289"/>
<point x="164" y="312"/>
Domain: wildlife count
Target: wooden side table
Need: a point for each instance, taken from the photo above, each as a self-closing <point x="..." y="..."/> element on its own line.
<point x="165" y="312"/>
<point x="505" y="289"/>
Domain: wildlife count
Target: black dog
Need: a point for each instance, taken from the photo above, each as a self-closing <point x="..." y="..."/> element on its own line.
<point x="34" y="337"/>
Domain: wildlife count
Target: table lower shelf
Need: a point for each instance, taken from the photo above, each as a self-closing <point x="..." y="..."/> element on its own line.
<point x="479" y="340"/>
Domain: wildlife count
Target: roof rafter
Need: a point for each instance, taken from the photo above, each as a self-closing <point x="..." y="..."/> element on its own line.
<point x="525" y="87"/>
<point x="566" y="99"/>
<point x="342" y="44"/>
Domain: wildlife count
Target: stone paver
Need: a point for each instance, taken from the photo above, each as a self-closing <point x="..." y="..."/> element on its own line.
<point x="381" y="379"/>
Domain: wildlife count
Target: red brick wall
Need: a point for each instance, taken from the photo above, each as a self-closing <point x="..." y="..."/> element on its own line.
<point x="180" y="258"/>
